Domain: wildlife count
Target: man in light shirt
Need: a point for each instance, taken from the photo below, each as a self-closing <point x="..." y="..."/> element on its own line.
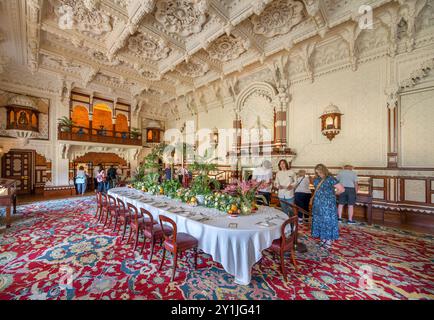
<point x="348" y="178"/>
<point x="264" y="174"/>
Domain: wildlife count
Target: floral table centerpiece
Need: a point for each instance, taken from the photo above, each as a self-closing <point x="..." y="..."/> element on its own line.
<point x="245" y="191"/>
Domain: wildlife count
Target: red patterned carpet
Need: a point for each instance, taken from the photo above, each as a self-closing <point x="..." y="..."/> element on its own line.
<point x="57" y="251"/>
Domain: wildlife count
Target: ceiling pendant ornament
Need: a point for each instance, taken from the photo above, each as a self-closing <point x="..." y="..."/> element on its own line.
<point x="279" y="18"/>
<point x="227" y="48"/>
<point x="145" y="46"/>
<point x="85" y="16"/>
<point x="100" y="57"/>
<point x="146" y="74"/>
<point x="193" y="69"/>
<point x="183" y="17"/>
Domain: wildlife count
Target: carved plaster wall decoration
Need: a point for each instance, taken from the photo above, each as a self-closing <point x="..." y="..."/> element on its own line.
<point x="149" y="47"/>
<point x="278" y="18"/>
<point x="193" y="69"/>
<point x="227" y="48"/>
<point x="86" y="17"/>
<point x="183" y="17"/>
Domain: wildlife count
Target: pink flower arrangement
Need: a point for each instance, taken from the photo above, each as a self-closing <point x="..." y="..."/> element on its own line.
<point x="245" y="189"/>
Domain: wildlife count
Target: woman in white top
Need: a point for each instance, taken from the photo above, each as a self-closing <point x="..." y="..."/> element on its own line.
<point x="302" y="192"/>
<point x="285" y="182"/>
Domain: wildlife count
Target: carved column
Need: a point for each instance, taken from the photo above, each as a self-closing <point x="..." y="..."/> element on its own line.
<point x="281" y="113"/>
<point x="237" y="143"/>
<point x="90" y="114"/>
<point x="392" y="127"/>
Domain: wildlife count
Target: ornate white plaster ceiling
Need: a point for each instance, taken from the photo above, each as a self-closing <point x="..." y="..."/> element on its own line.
<point x="163" y="50"/>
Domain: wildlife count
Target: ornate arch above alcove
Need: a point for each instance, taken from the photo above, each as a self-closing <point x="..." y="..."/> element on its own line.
<point x="263" y="89"/>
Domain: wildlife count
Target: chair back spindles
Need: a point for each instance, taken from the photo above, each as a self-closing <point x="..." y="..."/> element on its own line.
<point x="112" y="201"/>
<point x="134" y="213"/>
<point x="146" y="214"/>
<point x="169" y="237"/>
<point x="288" y="239"/>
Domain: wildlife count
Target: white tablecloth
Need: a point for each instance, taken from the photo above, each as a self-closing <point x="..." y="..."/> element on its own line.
<point x="237" y="249"/>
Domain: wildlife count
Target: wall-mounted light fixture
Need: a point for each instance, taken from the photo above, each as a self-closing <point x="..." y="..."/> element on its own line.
<point x="331" y="121"/>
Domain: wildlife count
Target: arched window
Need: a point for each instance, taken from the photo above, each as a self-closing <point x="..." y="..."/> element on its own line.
<point x="102" y="120"/>
<point x="80" y="117"/>
<point x="121" y="124"/>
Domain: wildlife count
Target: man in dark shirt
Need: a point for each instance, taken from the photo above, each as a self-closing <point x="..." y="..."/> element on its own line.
<point x="111" y="174"/>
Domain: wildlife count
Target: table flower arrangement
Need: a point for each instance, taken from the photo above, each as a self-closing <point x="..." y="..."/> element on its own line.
<point x="171" y="187"/>
<point x="223" y="202"/>
<point x="245" y="191"/>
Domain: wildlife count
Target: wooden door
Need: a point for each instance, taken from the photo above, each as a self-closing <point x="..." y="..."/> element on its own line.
<point x="19" y="165"/>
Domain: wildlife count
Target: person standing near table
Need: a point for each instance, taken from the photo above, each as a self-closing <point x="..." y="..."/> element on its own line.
<point x="95" y="174"/>
<point x="264" y="174"/>
<point x="324" y="218"/>
<point x="111" y="175"/>
<point x="302" y="193"/>
<point x="348" y="178"/>
<point x="285" y="182"/>
<point x="102" y="181"/>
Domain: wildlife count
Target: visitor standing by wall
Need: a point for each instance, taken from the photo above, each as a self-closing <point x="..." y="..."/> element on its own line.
<point x="324" y="218"/>
<point x="168" y="172"/>
<point x="285" y="182"/>
<point x="348" y="178"/>
<point x="81" y="180"/>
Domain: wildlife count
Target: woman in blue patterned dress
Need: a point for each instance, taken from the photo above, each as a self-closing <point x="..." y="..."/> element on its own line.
<point x="324" y="211"/>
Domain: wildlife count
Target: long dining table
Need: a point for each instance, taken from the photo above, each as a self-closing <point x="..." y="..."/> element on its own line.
<point x="235" y="242"/>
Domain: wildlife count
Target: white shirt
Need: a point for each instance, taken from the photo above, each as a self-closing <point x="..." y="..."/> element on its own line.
<point x="303" y="186"/>
<point x="285" y="178"/>
<point x="95" y="171"/>
<point x="261" y="174"/>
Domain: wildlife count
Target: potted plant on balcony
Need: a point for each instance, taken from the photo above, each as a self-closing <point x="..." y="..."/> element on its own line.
<point x="135" y="132"/>
<point x="65" y="124"/>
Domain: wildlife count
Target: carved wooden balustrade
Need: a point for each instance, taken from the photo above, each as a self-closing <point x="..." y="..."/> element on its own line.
<point x="102" y="135"/>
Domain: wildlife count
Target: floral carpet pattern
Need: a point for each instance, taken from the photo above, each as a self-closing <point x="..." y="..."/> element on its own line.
<point x="58" y="251"/>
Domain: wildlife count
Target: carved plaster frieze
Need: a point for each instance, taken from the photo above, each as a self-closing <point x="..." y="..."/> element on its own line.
<point x="147" y="74"/>
<point x="193" y="69"/>
<point x="278" y="18"/>
<point x="85" y="16"/>
<point x="183" y="17"/>
<point x="148" y="47"/>
<point x="227" y="48"/>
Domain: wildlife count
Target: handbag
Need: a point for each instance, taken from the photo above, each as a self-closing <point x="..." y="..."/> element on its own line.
<point x="314" y="193"/>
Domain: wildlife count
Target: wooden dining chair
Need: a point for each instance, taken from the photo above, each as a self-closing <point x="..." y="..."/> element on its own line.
<point x="137" y="223"/>
<point x="124" y="217"/>
<point x="105" y="209"/>
<point x="176" y="242"/>
<point x="153" y="231"/>
<point x="286" y="242"/>
<point x="98" y="204"/>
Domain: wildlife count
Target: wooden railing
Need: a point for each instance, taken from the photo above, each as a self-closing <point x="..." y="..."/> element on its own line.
<point x="76" y="133"/>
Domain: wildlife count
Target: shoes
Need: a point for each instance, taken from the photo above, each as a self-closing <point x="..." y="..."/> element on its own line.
<point x="339" y="220"/>
<point x="351" y="222"/>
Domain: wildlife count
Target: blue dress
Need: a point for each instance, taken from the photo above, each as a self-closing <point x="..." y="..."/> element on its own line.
<point x="324" y="214"/>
